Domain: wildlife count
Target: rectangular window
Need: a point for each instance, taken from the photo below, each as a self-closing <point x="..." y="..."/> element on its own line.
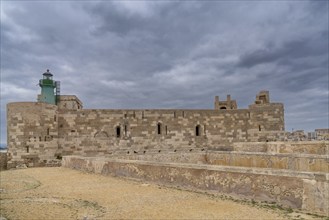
<point x="159" y="128"/>
<point x="118" y="131"/>
<point x="197" y="130"/>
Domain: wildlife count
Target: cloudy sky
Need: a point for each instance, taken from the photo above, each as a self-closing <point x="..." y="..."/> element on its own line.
<point x="170" y="54"/>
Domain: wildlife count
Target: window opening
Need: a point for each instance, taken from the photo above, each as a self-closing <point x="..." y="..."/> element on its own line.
<point x="197" y="130"/>
<point x="259" y="128"/>
<point x="125" y="130"/>
<point x="263" y="98"/>
<point x="27" y="149"/>
<point x="118" y="131"/>
<point x="166" y="130"/>
<point x="47" y="131"/>
<point x="159" y="128"/>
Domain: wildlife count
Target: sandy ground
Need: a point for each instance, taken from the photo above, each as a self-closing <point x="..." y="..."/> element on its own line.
<point x="61" y="193"/>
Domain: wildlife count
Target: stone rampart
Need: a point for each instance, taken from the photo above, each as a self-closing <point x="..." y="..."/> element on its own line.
<point x="301" y="147"/>
<point x="297" y="162"/>
<point x="307" y="191"/>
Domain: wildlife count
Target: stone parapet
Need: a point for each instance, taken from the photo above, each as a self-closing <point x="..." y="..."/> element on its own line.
<point x="296" y="162"/>
<point x="307" y="191"/>
<point x="301" y="147"/>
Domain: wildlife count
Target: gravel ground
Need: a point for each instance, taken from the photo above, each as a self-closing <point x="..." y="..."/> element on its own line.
<point x="61" y="193"/>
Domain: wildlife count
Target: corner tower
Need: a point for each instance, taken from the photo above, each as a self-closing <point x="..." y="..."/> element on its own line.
<point x="48" y="85"/>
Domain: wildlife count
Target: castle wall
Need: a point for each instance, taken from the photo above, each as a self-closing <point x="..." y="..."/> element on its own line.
<point x="267" y="122"/>
<point x="38" y="132"/>
<point x="99" y="132"/>
<point x="139" y="128"/>
<point x="32" y="133"/>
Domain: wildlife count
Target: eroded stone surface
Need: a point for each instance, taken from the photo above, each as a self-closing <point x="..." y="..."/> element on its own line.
<point x="289" y="189"/>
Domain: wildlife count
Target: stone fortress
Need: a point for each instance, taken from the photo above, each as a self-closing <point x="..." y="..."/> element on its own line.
<point x="242" y="153"/>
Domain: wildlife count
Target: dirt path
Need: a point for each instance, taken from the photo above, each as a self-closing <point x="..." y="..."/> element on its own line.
<point x="60" y="193"/>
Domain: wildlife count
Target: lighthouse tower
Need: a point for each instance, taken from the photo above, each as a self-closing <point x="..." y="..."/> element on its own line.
<point x="47" y="89"/>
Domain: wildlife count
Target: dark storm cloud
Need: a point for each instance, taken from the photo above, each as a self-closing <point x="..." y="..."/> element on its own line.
<point x="169" y="54"/>
<point x="290" y="50"/>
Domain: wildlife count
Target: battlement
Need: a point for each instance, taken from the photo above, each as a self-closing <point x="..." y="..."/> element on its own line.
<point x="263" y="97"/>
<point x="225" y="105"/>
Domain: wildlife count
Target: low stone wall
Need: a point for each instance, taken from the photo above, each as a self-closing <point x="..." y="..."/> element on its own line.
<point x="33" y="161"/>
<point x="3" y="161"/>
<point x="299" y="190"/>
<point x="297" y="162"/>
<point x="302" y="147"/>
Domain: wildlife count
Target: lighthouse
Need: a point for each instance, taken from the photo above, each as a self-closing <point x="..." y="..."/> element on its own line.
<point x="48" y="85"/>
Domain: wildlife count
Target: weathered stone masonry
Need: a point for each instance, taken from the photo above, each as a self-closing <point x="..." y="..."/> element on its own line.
<point x="238" y="152"/>
<point x="38" y="132"/>
<point x="299" y="190"/>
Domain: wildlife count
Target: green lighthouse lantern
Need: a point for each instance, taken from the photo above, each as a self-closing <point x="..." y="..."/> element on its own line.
<point x="48" y="85"/>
